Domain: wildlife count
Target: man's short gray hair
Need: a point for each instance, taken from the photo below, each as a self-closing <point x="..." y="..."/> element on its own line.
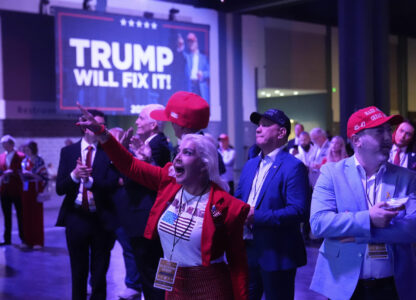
<point x="8" y="139"/>
<point x="151" y="107"/>
<point x="318" y="131"/>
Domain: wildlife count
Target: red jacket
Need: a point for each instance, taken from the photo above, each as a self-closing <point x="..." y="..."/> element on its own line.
<point x="13" y="186"/>
<point x="220" y="233"/>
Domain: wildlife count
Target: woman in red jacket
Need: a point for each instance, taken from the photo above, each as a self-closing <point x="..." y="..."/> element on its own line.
<point x="199" y="224"/>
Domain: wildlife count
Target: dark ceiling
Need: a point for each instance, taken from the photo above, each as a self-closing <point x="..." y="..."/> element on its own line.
<point x="402" y="12"/>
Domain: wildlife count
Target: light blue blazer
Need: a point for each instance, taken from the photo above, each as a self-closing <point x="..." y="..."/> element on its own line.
<point x="339" y="209"/>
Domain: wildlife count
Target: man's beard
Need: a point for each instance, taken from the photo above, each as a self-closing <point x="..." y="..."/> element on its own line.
<point x="306" y="147"/>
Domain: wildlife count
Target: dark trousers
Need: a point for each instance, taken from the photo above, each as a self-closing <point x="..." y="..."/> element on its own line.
<point x="231" y="185"/>
<point x="6" y="206"/>
<point x="276" y="285"/>
<point x="132" y="279"/>
<point x="147" y="254"/>
<point x="87" y="239"/>
<point x="195" y="87"/>
<point x="384" y="289"/>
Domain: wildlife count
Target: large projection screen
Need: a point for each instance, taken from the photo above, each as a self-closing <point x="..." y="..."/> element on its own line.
<point x="119" y="63"/>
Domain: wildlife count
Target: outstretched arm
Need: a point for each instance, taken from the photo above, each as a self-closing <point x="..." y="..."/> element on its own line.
<point x="139" y="171"/>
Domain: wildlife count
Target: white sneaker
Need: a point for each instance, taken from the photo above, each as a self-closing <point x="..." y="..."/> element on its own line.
<point x="23" y="246"/>
<point x="129" y="294"/>
<point x="37" y="247"/>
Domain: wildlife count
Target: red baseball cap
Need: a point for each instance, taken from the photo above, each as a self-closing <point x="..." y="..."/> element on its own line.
<point x="369" y="117"/>
<point x="184" y="109"/>
<point x="223" y="136"/>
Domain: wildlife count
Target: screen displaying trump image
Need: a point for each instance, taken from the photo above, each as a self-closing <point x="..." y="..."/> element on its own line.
<point x="120" y="63"/>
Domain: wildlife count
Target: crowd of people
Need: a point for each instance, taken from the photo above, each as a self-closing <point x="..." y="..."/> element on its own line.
<point x="23" y="177"/>
<point x="186" y="233"/>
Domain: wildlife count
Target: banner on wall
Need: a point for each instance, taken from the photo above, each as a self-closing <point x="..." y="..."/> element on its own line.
<point x="119" y="63"/>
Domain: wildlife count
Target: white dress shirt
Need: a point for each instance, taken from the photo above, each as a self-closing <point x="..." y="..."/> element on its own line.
<point x="306" y="157"/>
<point x="228" y="156"/>
<point x="195" y="64"/>
<point x="403" y="155"/>
<point x="87" y="184"/>
<point x="372" y="267"/>
<point x="261" y="174"/>
<point x="9" y="158"/>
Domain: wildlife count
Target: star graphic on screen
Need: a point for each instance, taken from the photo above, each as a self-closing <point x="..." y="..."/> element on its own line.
<point x="123" y="22"/>
<point x="139" y="24"/>
<point x="131" y="23"/>
<point x="146" y="24"/>
<point x="154" y="25"/>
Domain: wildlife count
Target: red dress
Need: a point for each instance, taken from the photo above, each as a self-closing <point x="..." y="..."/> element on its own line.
<point x="32" y="210"/>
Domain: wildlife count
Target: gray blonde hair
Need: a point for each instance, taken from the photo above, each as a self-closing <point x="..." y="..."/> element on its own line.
<point x="8" y="139"/>
<point x="343" y="154"/>
<point x="207" y="150"/>
<point x="318" y="131"/>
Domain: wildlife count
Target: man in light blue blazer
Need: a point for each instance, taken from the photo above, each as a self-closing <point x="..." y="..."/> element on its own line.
<point x="275" y="184"/>
<point x="367" y="252"/>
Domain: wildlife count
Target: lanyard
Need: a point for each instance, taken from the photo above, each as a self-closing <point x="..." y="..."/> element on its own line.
<point x="371" y="204"/>
<point x="259" y="185"/>
<point x="175" y="238"/>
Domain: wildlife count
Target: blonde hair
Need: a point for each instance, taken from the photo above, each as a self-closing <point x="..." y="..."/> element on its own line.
<point x="207" y="150"/>
<point x="330" y="157"/>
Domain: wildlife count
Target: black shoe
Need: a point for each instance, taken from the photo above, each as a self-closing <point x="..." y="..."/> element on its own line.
<point x="5" y="243"/>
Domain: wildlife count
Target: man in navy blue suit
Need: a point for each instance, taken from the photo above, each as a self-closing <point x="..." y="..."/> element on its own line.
<point x="275" y="184"/>
<point x="87" y="179"/>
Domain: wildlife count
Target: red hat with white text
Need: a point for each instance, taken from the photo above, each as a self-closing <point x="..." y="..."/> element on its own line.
<point x="369" y="117"/>
<point x="184" y="109"/>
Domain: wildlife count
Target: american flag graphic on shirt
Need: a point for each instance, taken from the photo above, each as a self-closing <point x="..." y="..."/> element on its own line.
<point x="170" y="220"/>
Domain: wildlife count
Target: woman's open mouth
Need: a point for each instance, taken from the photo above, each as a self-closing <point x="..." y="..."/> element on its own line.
<point x="179" y="170"/>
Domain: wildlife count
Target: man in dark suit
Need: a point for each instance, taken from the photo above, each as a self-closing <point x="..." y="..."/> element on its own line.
<point x="133" y="203"/>
<point x="401" y="153"/>
<point x="11" y="187"/>
<point x="87" y="179"/>
<point x="295" y="141"/>
<point x="275" y="184"/>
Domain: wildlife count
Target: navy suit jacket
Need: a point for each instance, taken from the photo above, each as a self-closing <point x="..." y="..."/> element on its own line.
<point x="105" y="183"/>
<point x="133" y="201"/>
<point x="290" y="144"/>
<point x="280" y="208"/>
<point x="411" y="161"/>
